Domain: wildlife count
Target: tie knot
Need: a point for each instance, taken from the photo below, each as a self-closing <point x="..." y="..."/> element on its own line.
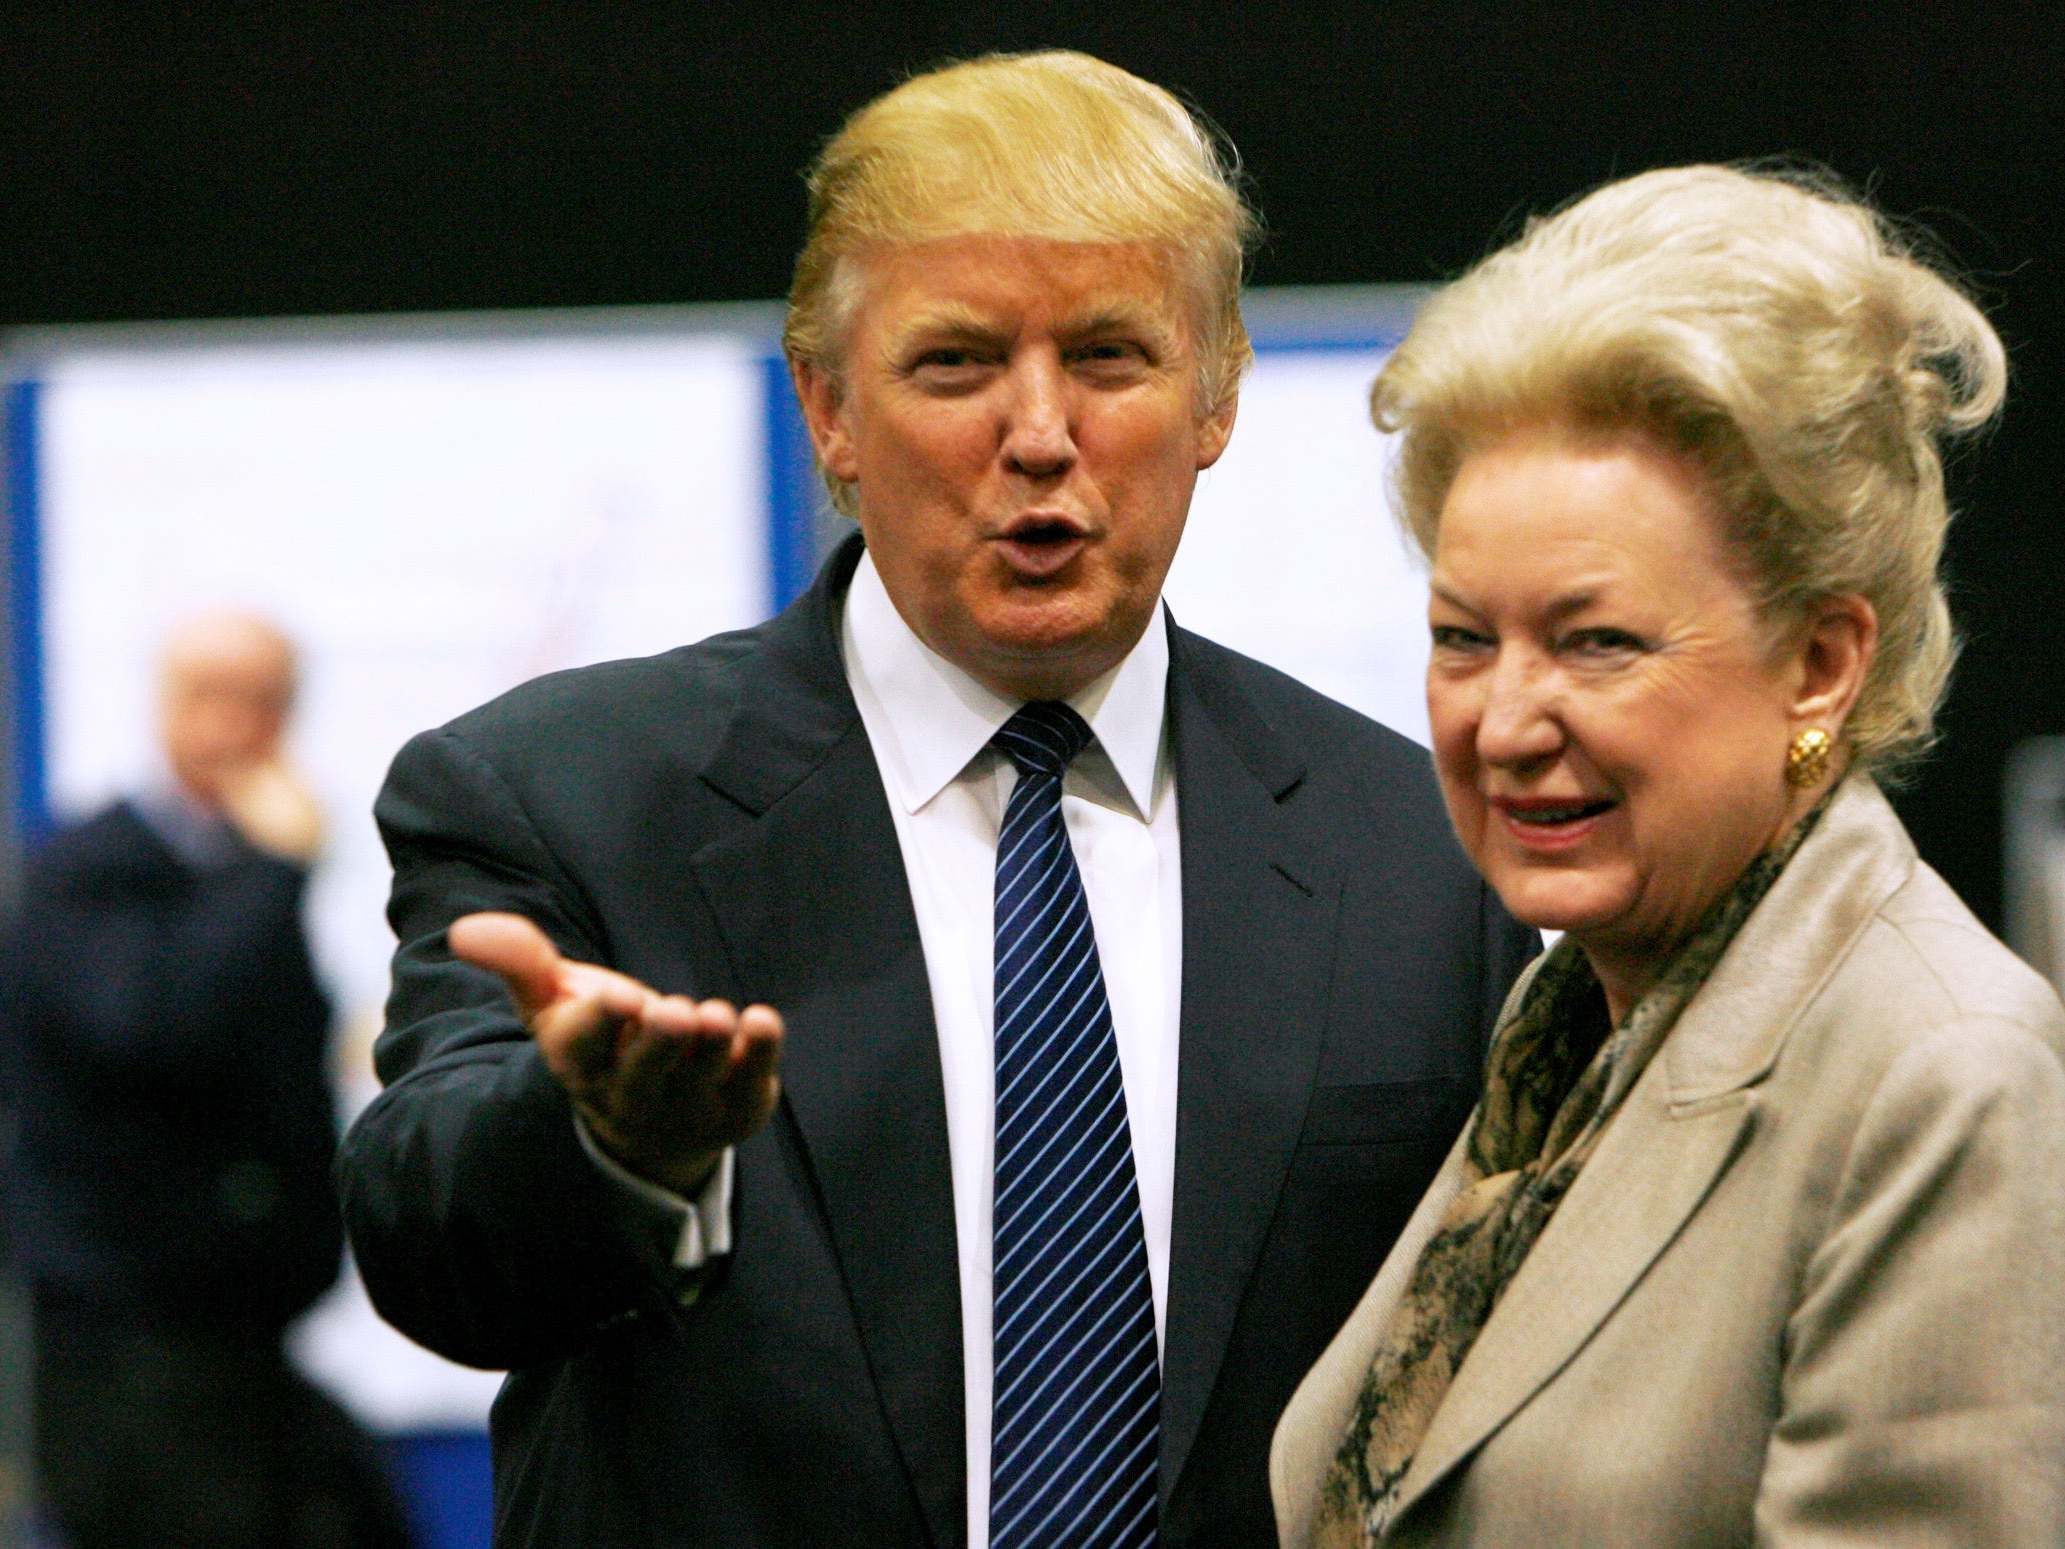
<point x="1042" y="738"/>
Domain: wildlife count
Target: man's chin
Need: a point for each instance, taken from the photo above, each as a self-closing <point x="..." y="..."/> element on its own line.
<point x="204" y="784"/>
<point x="1047" y="665"/>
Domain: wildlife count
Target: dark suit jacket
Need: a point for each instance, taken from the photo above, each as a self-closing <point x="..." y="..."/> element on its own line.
<point x="166" y="1042"/>
<point x="712" y="821"/>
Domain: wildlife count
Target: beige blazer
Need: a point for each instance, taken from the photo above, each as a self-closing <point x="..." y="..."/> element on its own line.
<point x="1809" y="1290"/>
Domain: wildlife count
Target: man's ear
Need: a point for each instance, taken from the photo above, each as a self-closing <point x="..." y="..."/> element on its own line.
<point x="824" y="411"/>
<point x="1836" y="647"/>
<point x="1215" y="430"/>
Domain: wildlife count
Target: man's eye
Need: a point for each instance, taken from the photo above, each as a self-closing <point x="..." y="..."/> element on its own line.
<point x="1107" y="354"/>
<point x="949" y="369"/>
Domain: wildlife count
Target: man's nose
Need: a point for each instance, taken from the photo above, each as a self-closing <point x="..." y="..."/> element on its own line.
<point x="1519" y="724"/>
<point x="1039" y="439"/>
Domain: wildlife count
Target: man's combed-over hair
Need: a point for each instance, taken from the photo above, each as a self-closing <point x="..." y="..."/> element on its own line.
<point x="1773" y="328"/>
<point x="1056" y="145"/>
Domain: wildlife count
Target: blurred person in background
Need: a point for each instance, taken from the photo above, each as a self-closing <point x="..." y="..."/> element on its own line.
<point x="1756" y="1235"/>
<point x="166" y="1044"/>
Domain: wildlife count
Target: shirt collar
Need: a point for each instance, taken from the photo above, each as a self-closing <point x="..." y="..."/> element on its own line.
<point x="197" y="833"/>
<point x="938" y="717"/>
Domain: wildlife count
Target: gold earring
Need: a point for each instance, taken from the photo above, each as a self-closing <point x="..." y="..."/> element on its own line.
<point x="1806" y="761"/>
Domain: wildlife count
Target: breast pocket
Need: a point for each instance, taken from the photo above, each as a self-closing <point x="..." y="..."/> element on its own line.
<point x="1382" y="1111"/>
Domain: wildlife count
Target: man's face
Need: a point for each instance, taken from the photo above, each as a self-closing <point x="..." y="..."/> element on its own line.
<point x="226" y="688"/>
<point x="1019" y="419"/>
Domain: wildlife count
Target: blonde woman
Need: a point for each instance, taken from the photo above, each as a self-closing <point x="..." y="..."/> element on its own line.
<point x="1756" y="1234"/>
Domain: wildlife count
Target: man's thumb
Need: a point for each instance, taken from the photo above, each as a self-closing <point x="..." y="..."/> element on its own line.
<point x="514" y="948"/>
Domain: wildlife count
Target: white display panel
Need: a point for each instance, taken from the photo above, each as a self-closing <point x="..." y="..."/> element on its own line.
<point x="436" y="521"/>
<point x="433" y="522"/>
<point x="1292" y="554"/>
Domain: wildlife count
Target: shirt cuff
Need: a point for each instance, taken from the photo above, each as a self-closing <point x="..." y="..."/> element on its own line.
<point x="700" y="1227"/>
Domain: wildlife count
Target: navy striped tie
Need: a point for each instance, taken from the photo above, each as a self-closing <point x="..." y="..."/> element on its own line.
<point x="1075" y="1413"/>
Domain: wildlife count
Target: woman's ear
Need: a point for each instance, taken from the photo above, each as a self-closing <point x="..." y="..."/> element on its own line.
<point x="1836" y="646"/>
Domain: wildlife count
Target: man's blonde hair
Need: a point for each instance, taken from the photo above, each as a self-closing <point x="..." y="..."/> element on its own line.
<point x="1056" y="145"/>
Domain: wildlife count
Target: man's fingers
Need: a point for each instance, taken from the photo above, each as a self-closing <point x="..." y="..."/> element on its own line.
<point x="513" y="948"/>
<point x="751" y="1039"/>
<point x="670" y="1068"/>
<point x="763" y="1024"/>
<point x="668" y="1083"/>
<point x="700" y="1051"/>
<point x="664" y="1081"/>
<point x="662" y="1077"/>
<point x="599" y="1018"/>
<point x="757" y="1048"/>
<point x="753" y="1083"/>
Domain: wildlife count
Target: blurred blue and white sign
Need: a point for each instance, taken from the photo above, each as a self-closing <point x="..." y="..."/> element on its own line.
<point x="437" y="511"/>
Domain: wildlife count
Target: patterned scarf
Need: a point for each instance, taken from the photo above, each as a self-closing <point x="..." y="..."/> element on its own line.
<point x="1554" y="1078"/>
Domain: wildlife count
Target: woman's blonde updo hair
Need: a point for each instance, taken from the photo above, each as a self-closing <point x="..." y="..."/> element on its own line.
<point x="1057" y="145"/>
<point x="1774" y="329"/>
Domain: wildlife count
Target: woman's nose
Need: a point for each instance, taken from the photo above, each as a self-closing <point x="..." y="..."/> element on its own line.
<point x="1519" y="724"/>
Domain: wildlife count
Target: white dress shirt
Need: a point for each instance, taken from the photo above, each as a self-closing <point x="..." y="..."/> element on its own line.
<point x="929" y="724"/>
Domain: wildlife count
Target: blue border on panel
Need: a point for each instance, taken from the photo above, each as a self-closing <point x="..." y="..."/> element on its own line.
<point x="445" y="1480"/>
<point x="23" y="483"/>
<point x="793" y="490"/>
<point x="1326" y="344"/>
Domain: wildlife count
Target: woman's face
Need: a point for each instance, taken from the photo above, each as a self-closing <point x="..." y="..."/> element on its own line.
<point x="1610" y="718"/>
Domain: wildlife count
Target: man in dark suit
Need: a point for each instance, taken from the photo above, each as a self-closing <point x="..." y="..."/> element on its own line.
<point x="166" y="1052"/>
<point x="1082" y="1121"/>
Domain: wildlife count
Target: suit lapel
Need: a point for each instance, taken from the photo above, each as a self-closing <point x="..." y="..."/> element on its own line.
<point x="1260" y="899"/>
<point x="820" y="865"/>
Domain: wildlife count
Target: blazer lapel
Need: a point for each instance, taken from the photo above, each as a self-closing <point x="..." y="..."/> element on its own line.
<point x="1260" y="897"/>
<point x="1689" y="1115"/>
<point x="813" y="903"/>
<point x="1652" y="1169"/>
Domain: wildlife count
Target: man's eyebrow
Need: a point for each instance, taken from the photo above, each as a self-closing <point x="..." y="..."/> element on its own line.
<point x="957" y="320"/>
<point x="952" y="319"/>
<point x="1118" y="317"/>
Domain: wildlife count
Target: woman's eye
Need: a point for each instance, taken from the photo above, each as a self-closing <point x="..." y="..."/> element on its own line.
<point x="1453" y="637"/>
<point x="1601" y="641"/>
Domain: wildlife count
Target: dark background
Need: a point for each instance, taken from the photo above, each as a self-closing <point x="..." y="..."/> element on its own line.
<point x="267" y="160"/>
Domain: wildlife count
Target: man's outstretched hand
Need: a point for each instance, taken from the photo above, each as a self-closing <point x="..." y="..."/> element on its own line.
<point x="665" y="1083"/>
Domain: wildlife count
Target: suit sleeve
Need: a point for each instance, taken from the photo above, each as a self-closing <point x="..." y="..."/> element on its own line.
<point x="480" y="1226"/>
<point x="1923" y="1396"/>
